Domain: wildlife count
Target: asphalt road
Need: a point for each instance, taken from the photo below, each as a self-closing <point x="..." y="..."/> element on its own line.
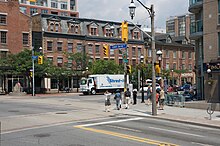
<point x="32" y="122"/>
<point x="118" y="131"/>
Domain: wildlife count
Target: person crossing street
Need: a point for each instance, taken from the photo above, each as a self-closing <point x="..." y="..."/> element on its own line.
<point x="127" y="98"/>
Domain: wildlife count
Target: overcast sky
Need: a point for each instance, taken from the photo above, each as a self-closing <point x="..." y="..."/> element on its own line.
<point x="117" y="10"/>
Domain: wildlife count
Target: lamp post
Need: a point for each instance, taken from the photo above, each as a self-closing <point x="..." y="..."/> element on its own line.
<point x="172" y="77"/>
<point x="151" y="13"/>
<point x="142" y="76"/>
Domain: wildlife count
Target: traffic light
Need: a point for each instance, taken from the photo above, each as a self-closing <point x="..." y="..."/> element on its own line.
<point x="157" y="67"/>
<point x="128" y="69"/>
<point x="40" y="59"/>
<point x="31" y="73"/>
<point x="105" y="50"/>
<point x="124" y="31"/>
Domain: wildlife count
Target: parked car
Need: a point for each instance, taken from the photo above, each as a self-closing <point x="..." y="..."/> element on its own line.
<point x="150" y="84"/>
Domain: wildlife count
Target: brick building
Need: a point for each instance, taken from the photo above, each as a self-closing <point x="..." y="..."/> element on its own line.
<point x="58" y="34"/>
<point x="206" y="33"/>
<point x="15" y="28"/>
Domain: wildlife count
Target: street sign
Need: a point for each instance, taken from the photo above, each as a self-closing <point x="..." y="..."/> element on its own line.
<point x="34" y="57"/>
<point x="118" y="46"/>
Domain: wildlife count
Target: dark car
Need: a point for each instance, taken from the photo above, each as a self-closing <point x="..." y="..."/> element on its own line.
<point x="185" y="87"/>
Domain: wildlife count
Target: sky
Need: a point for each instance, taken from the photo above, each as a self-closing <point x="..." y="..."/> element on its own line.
<point x="118" y="11"/>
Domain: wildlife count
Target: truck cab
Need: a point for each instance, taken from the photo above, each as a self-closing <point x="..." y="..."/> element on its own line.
<point x="87" y="85"/>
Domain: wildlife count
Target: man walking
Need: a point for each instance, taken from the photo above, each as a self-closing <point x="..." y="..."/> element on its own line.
<point x="127" y="98"/>
<point x="135" y="96"/>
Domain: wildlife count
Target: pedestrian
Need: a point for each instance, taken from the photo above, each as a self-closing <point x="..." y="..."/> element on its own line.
<point x="118" y="99"/>
<point x="149" y="91"/>
<point x="135" y="96"/>
<point x="162" y="98"/>
<point x="157" y="97"/>
<point x="107" y="101"/>
<point x="127" y="98"/>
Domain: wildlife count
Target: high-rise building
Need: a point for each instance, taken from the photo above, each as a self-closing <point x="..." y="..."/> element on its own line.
<point x="56" y="7"/>
<point x="205" y="30"/>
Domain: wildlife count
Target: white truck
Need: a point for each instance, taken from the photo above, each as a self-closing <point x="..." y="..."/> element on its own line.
<point x="102" y="82"/>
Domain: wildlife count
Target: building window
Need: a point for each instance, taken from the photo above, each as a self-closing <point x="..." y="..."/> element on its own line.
<point x="23" y="1"/>
<point x="133" y="51"/>
<point x="59" y="61"/>
<point x="136" y="35"/>
<point x="54" y="4"/>
<point x="107" y="32"/>
<point x="63" y="5"/>
<point x="174" y="65"/>
<point x="3" y="37"/>
<point x="112" y="52"/>
<point x="183" y="55"/>
<point x="190" y="67"/>
<point x="218" y="11"/>
<point x="2" y="19"/>
<point x="149" y="52"/>
<point x="167" y="54"/>
<point x="44" y="11"/>
<point x="90" y="49"/>
<point x="139" y="52"/>
<point x="70" y="47"/>
<point x="174" y="54"/>
<point x="70" y="63"/>
<point x="23" y="10"/>
<point x="167" y="66"/>
<point x="33" y="11"/>
<point x="79" y="47"/>
<point x="50" y="59"/>
<point x="57" y="27"/>
<point x="25" y="38"/>
<point x="74" y="29"/>
<point x="63" y="13"/>
<point x="93" y="30"/>
<point x="190" y="55"/>
<point x="72" y="4"/>
<point x="51" y="27"/>
<point x="59" y="46"/>
<point x="97" y="51"/>
<point x="49" y="46"/>
<point x="183" y="66"/>
<point x="134" y="62"/>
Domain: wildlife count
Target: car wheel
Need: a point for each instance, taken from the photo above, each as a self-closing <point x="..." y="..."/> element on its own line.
<point x="93" y="92"/>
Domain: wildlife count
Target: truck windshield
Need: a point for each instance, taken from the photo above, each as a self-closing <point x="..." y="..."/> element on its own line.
<point x="83" y="82"/>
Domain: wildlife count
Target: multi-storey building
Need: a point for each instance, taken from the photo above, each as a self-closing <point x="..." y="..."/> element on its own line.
<point x="62" y="8"/>
<point x="179" y="26"/>
<point x="58" y="34"/>
<point x="177" y="57"/>
<point x="15" y="34"/>
<point x="205" y="31"/>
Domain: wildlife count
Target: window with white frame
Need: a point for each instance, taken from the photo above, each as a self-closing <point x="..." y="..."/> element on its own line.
<point x="49" y="46"/>
<point x="59" y="61"/>
<point x="133" y="51"/>
<point x="57" y="27"/>
<point x="23" y="10"/>
<point x="33" y="11"/>
<point x="112" y="52"/>
<point x="93" y="30"/>
<point x="139" y="52"/>
<point x="167" y="54"/>
<point x="107" y="32"/>
<point x="167" y="66"/>
<point x="50" y="59"/>
<point x="79" y="47"/>
<point x="174" y="54"/>
<point x="63" y="5"/>
<point x="59" y="46"/>
<point x="190" y="55"/>
<point x="25" y="38"/>
<point x="136" y="35"/>
<point x="97" y="49"/>
<point x="51" y="26"/>
<point x="90" y="48"/>
<point x="3" y="37"/>
<point x="183" y="55"/>
<point x="70" y="63"/>
<point x="70" y="47"/>
<point x="54" y="4"/>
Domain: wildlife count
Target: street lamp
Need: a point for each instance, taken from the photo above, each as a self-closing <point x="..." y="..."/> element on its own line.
<point x="151" y="13"/>
<point x="172" y="77"/>
<point x="209" y="73"/>
<point x="142" y="76"/>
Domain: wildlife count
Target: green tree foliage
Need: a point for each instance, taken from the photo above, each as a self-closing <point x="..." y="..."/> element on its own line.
<point x="106" y="67"/>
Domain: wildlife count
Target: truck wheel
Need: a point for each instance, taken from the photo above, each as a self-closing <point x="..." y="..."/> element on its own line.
<point x="93" y="92"/>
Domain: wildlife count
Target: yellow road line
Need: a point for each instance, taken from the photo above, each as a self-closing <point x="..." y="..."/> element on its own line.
<point x="130" y="137"/>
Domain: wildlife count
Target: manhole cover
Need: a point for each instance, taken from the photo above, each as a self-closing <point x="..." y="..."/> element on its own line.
<point x="42" y="135"/>
<point x="61" y="113"/>
<point x="13" y="111"/>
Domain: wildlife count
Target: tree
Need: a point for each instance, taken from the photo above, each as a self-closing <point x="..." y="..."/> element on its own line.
<point x="106" y="67"/>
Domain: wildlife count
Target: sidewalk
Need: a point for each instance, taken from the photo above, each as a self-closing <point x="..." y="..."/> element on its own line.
<point x="186" y="115"/>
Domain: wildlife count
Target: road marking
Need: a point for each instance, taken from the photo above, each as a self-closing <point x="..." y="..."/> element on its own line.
<point x="109" y="122"/>
<point x="130" y="137"/>
<point x="173" y="131"/>
<point x="201" y="144"/>
<point x="125" y="136"/>
<point x="123" y="128"/>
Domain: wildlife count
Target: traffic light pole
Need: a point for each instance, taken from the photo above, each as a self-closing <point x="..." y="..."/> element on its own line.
<point x="33" y="84"/>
